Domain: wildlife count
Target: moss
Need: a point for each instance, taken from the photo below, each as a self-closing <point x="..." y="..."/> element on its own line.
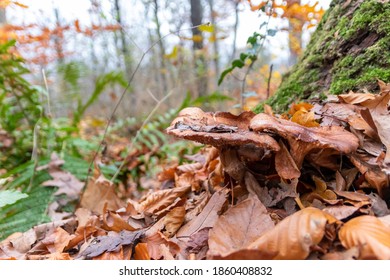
<point x="338" y="58"/>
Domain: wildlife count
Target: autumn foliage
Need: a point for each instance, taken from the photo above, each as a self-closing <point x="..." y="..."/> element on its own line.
<point x="264" y="187"/>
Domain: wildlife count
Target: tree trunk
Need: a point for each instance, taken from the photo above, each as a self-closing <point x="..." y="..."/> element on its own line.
<point x="350" y="50"/>
<point x="3" y="18"/>
<point x="124" y="44"/>
<point x="199" y="57"/>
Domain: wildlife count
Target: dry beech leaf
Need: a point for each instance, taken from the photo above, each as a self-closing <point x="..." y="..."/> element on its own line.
<point x="98" y="193"/>
<point x="238" y="227"/>
<point x="154" y="249"/>
<point x="66" y="182"/>
<point x="113" y="255"/>
<point x="293" y="237"/>
<point x="114" y="222"/>
<point x="302" y="139"/>
<point x="370" y="234"/>
<point x="141" y="252"/>
<point x="111" y="243"/>
<point x="372" y="173"/>
<point x="285" y="165"/>
<point x="341" y="212"/>
<point x="159" y="200"/>
<point x="207" y="217"/>
<point x="174" y="219"/>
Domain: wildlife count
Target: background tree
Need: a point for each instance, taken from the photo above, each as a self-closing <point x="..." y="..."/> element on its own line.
<point x="350" y="50"/>
<point x="198" y="54"/>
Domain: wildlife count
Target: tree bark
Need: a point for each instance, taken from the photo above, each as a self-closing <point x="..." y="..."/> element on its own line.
<point x="350" y="50"/>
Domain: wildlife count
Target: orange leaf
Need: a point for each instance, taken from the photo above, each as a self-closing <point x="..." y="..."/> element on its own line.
<point x="293" y="237"/>
<point x="141" y="252"/>
<point x="161" y="199"/>
<point x="370" y="234"/>
<point x="174" y="219"/>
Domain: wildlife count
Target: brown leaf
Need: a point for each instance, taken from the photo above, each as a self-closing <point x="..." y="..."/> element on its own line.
<point x="293" y="237"/>
<point x="161" y="199"/>
<point x="372" y="173"/>
<point x="111" y="242"/>
<point x="114" y="222"/>
<point x="141" y="252"/>
<point x="302" y="139"/>
<point x="238" y="227"/>
<point x="378" y="108"/>
<point x="174" y="219"/>
<point x="154" y="243"/>
<point x="285" y="164"/>
<point x="66" y="182"/>
<point x="99" y="193"/>
<point x="341" y="212"/>
<point x="206" y="218"/>
<point x="350" y="254"/>
<point x="370" y="234"/>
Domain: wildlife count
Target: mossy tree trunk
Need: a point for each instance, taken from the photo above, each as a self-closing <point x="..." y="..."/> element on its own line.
<point x="350" y="50"/>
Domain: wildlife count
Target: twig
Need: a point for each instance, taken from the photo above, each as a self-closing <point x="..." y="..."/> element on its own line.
<point x="110" y="119"/>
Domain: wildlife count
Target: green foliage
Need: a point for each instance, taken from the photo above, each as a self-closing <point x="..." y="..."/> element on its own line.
<point x="253" y="47"/>
<point x="20" y="106"/>
<point x="9" y="197"/>
<point x="101" y="84"/>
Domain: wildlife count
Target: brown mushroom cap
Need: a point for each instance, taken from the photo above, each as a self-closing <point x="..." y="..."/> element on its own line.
<point x="219" y="129"/>
<point x="304" y="139"/>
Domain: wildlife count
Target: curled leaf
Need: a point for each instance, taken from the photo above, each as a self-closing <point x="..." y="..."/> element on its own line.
<point x="294" y="236"/>
<point x="370" y="234"/>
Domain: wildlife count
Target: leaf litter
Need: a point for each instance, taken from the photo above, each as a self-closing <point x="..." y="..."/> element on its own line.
<point x="309" y="184"/>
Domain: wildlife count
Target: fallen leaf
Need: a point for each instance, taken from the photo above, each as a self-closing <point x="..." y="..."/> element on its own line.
<point x="369" y="234"/>
<point x="293" y="237"/>
<point x="173" y="220"/>
<point x="238" y="227"/>
<point x="285" y="165"/>
<point x="161" y="199"/>
<point x="154" y="243"/>
<point x="111" y="242"/>
<point x="141" y="252"/>
<point x="67" y="183"/>
<point x="206" y="218"/>
<point x="100" y="193"/>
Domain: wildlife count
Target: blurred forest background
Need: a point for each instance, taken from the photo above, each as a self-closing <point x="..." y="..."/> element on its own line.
<point x="83" y="77"/>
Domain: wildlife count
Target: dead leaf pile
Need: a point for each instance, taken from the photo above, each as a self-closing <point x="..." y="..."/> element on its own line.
<point x="311" y="184"/>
